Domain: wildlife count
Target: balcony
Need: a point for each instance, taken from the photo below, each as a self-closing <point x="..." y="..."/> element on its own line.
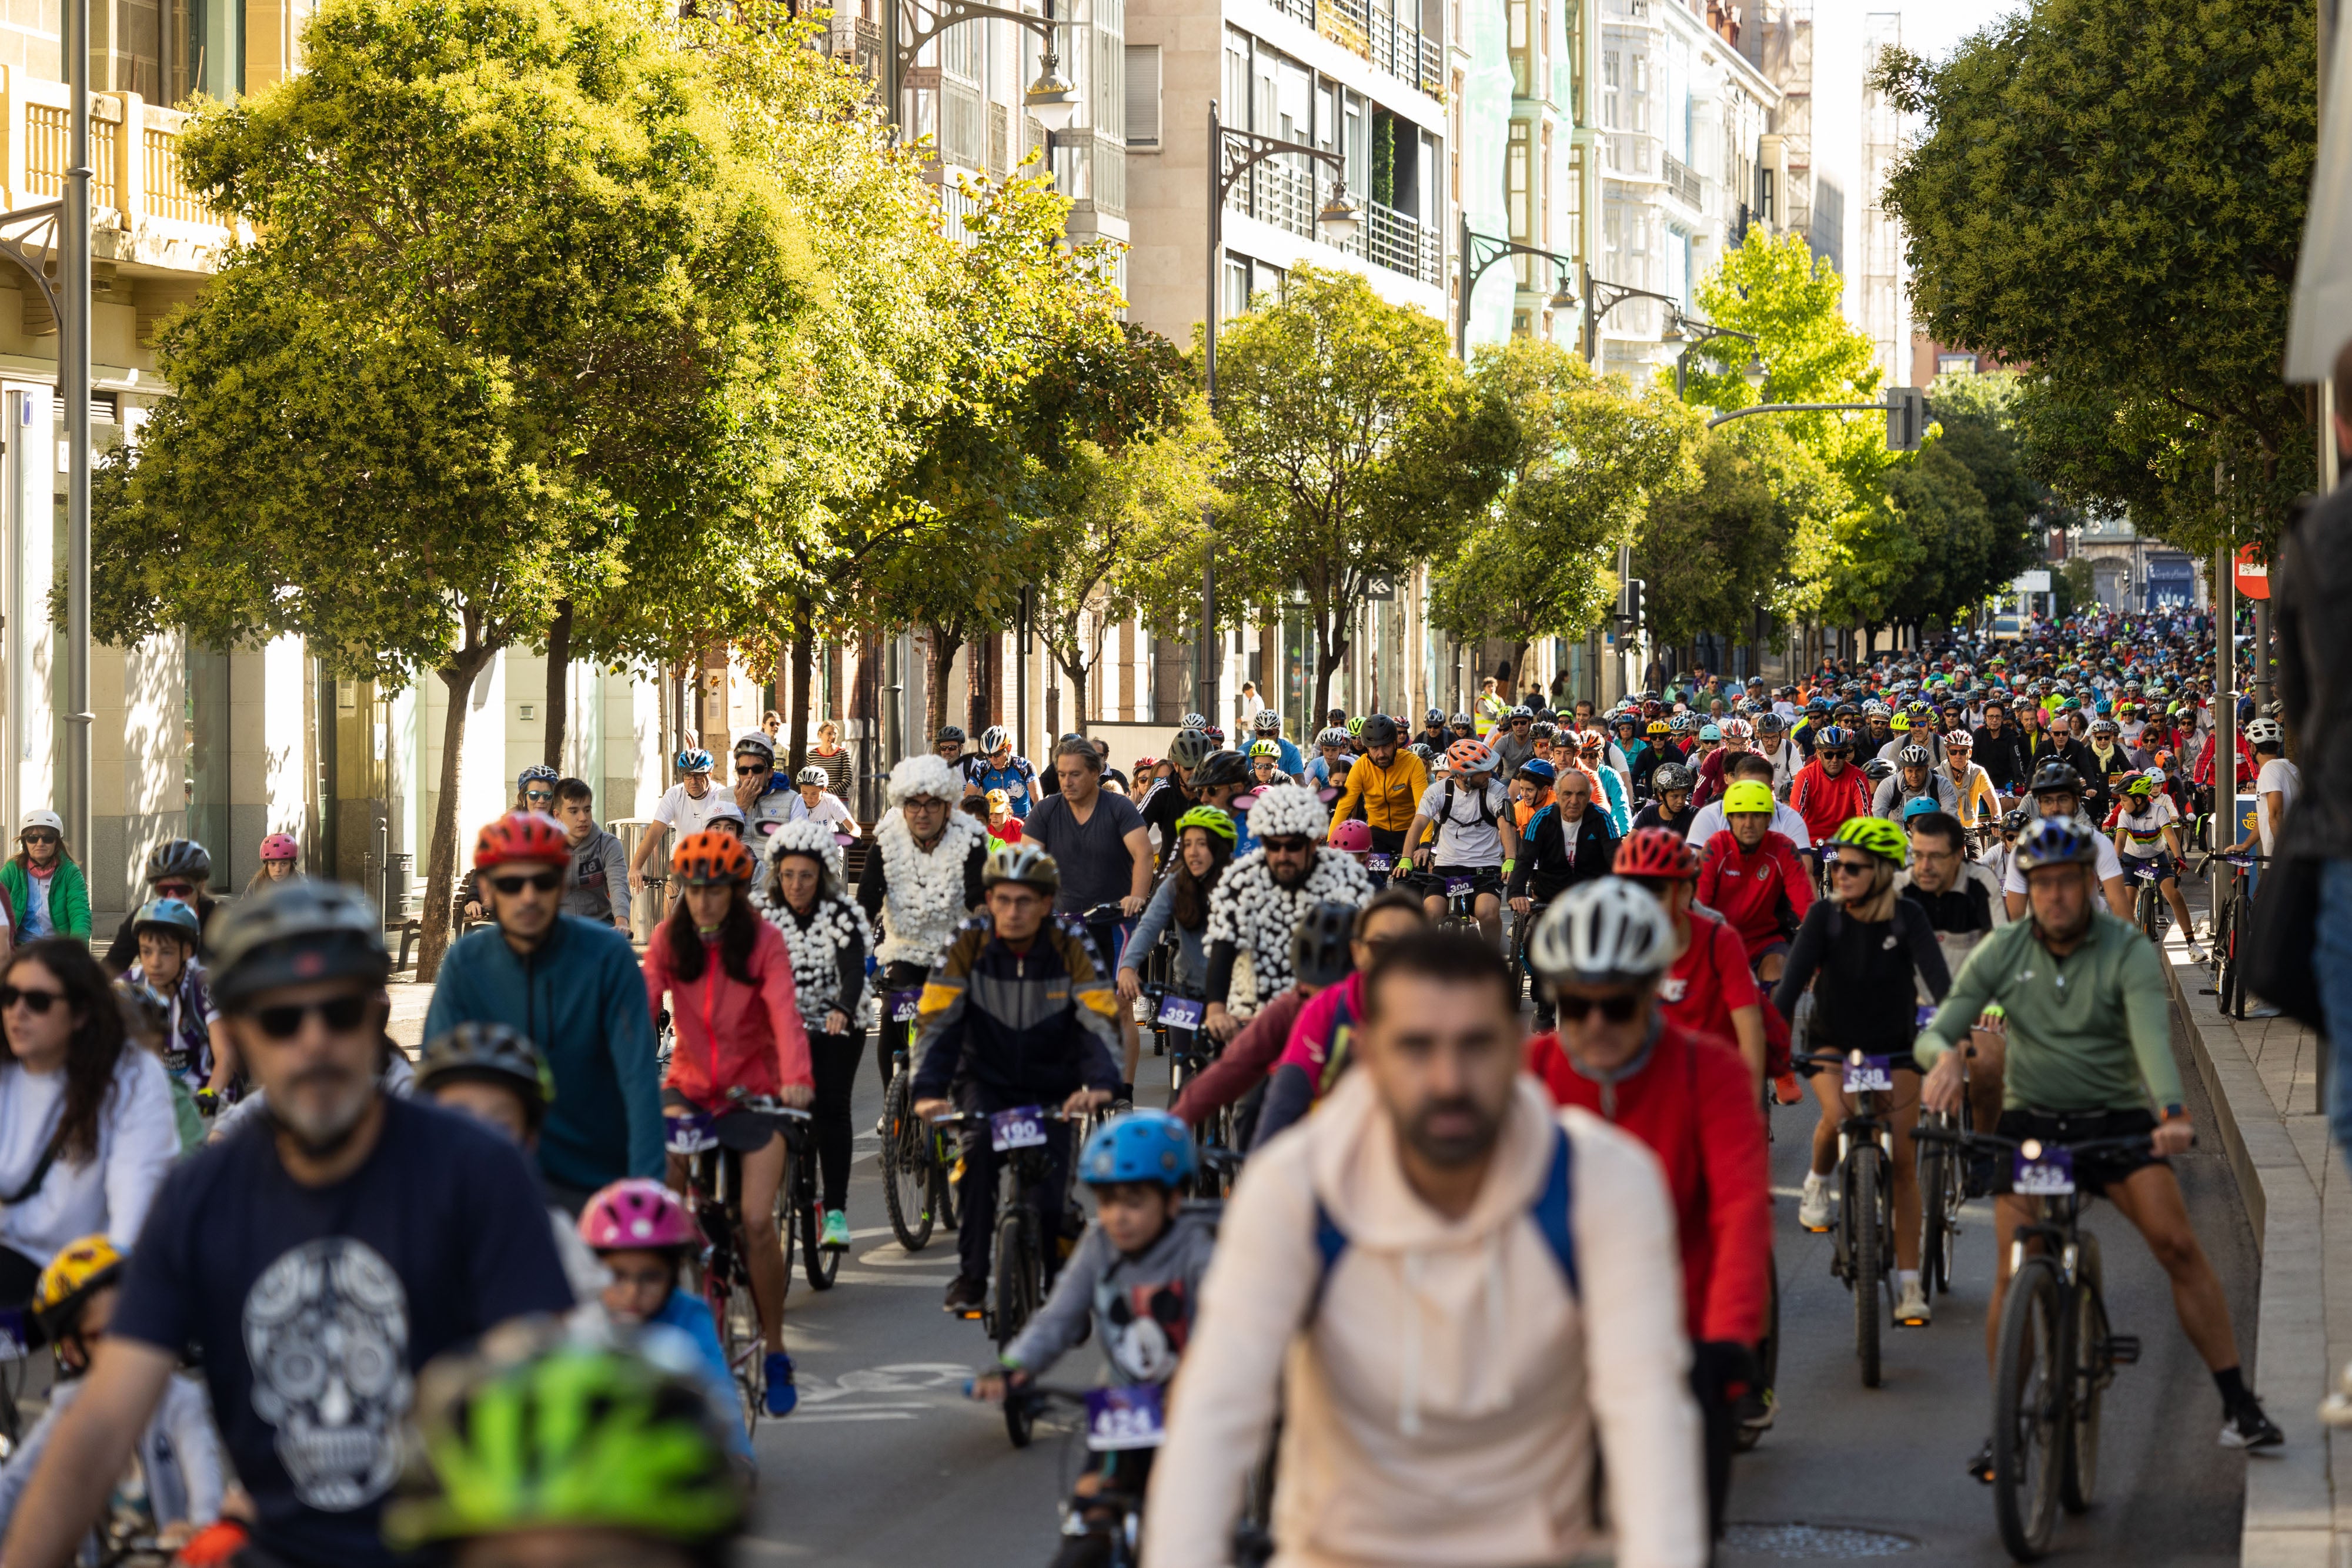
<point x="856" y="43"/>
<point x="143" y="214"/>
<point x="1401" y="243"/>
<point x="1388" y="42"/>
<point x="1683" y="182"/>
<point x="1280" y="192"/>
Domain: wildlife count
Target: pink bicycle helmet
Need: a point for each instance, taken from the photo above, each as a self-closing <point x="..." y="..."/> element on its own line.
<point x="1352" y="837"/>
<point x="280" y="847"/>
<point x="637" y="1213"/>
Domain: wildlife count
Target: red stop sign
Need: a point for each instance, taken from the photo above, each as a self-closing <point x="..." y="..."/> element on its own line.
<point x="2254" y="576"/>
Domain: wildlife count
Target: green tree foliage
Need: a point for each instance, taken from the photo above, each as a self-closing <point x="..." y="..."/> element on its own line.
<point x="1357" y="447"/>
<point x="1588" y="457"/>
<point x="2112" y="192"/>
<point x="1709" y="555"/>
<point x="509" y="287"/>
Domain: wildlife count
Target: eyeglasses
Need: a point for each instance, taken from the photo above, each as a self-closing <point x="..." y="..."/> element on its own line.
<point x="40" y="1001"/>
<point x="1298" y="846"/>
<point x="538" y="881"/>
<point x="183" y="891"/>
<point x="341" y="1014"/>
<point x="1615" y="1009"/>
<point x="1842" y="866"/>
<point x="750" y="769"/>
<point x="538" y="797"/>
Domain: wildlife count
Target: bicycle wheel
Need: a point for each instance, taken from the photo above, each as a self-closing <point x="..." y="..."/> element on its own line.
<point x="1936" y="1217"/>
<point x="1860" y="1218"/>
<point x="818" y="1262"/>
<point x="906" y="1167"/>
<point x="1768" y="1359"/>
<point x="739" y="1340"/>
<point x="1519" y="924"/>
<point x="2029" y="1409"/>
<point x="945" y="1158"/>
<point x="1015" y="1292"/>
<point x="2091" y="1371"/>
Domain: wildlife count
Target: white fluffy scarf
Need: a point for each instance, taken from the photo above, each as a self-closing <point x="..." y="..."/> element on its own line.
<point x="817" y="949"/>
<point x="1248" y="910"/>
<point x="924" y="903"/>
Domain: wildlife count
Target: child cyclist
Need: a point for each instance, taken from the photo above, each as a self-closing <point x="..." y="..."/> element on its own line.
<point x="196" y="1046"/>
<point x="1138" y="1274"/>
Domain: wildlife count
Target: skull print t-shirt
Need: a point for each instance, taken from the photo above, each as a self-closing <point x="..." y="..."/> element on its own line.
<point x="312" y="1308"/>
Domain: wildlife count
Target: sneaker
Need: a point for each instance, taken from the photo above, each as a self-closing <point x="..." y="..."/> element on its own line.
<point x="1912" y="1311"/>
<point x="1981" y="1466"/>
<point x="1814" y="1207"/>
<point x="2248" y="1427"/>
<point x="2195" y="954"/>
<point x="781" y="1393"/>
<point x="836" y="1231"/>
<point x="1787" y="1089"/>
<point x="1755" y="1409"/>
<point x="965" y="1293"/>
<point x="2336" y="1410"/>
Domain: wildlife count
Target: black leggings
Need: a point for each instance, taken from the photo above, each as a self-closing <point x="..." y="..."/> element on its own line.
<point x="833" y="1059"/>
<point x="892" y="1035"/>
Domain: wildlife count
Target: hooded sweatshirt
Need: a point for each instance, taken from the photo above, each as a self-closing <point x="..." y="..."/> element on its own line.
<point x="1444" y="1394"/>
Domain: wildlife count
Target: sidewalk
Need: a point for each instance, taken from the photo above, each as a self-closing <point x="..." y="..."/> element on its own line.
<point x="2261" y="1074"/>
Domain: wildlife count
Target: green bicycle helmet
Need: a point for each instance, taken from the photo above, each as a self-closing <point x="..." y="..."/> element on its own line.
<point x="1209" y="819"/>
<point x="1266" y="748"/>
<point x="1356" y="726"/>
<point x="537" y="1428"/>
<point x="1877" y="836"/>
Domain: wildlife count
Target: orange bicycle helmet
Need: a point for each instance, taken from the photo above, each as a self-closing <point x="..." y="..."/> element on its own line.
<point x="522" y="836"/>
<point x="1470" y="757"/>
<point x="709" y="856"/>
<point x="1657" y="852"/>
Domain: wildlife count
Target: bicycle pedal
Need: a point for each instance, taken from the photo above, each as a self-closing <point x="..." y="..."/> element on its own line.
<point x="1818" y="1229"/>
<point x="2123" y="1349"/>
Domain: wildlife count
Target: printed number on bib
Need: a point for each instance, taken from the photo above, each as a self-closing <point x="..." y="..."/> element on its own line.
<point x="1182" y="1012"/>
<point x="1123" y="1417"/>
<point x="1871" y="1072"/>
<point x="1459" y="886"/>
<point x="690" y="1134"/>
<point x="2052" y="1174"/>
<point x="1379" y="864"/>
<point x="904" y="1006"/>
<point x="1021" y="1129"/>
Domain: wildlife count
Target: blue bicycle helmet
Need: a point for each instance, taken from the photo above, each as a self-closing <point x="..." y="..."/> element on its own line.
<point x="1924" y="806"/>
<point x="2055" y="841"/>
<point x="536" y="770"/>
<point x="694" y="761"/>
<point x="1142" y="1145"/>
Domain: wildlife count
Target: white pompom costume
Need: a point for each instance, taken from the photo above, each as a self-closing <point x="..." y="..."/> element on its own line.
<point x="1251" y="914"/>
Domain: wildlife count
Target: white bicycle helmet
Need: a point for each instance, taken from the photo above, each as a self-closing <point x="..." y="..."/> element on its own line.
<point x="1603" y="932"/>
<point x="1267" y="721"/>
<point x="994" y="738"/>
<point x="1737" y="729"/>
<point x="815" y="774"/>
<point x="2265" y="732"/>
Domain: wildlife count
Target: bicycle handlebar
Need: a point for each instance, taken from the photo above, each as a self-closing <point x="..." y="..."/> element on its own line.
<point x="1959" y="1139"/>
<point x="981" y="1118"/>
<point x="767" y="1106"/>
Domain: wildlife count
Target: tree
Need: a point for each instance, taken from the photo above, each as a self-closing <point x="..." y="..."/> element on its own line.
<point x="2112" y="192"/>
<point x="1710" y="555"/>
<point x="1587" y="456"/>
<point x="508" y="287"/>
<point x="1357" y="448"/>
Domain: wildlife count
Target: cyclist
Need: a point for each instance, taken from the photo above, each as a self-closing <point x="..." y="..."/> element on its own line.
<point x="684" y="808"/>
<point x="1471" y="847"/>
<point x="2145" y="837"/>
<point x="1752" y="767"/>
<point x="1387" y="783"/>
<point x="1450" y="1316"/>
<point x="176" y="869"/>
<point x="1602" y="953"/>
<point x="1979" y="802"/>
<point x="2108" y="762"/>
<point x="1163" y="803"/>
<point x="1872" y="949"/>
<point x="1996" y="856"/>
<point x="922" y="878"/>
<point x="2000" y="749"/>
<point x="1915" y="779"/>
<point x="1566" y="842"/>
<point x="599" y="887"/>
<point x="1267" y="725"/>
<point x="1261" y="896"/>
<point x="573" y="1450"/>
<point x="2277" y="782"/>
<point x="1223" y="781"/>
<point x="1319" y="959"/>
<point x="1514" y="739"/>
<point x="534" y="791"/>
<point x="1532" y="790"/>
<point x="1434" y="733"/>
<point x="1098" y="841"/>
<point x="1609" y="791"/>
<point x="280" y="858"/>
<point x="1134" y="1283"/>
<point x="828" y="937"/>
<point x="179" y="1453"/>
<point x="816" y="802"/>
<point x="1735" y="734"/>
<point x="766" y="796"/>
<point x="2090" y="1050"/>
<point x="1333" y="948"/>
<point x="1328" y="772"/>
<point x="349" y="1238"/>
<point x="1829" y="790"/>
<point x="1204" y="847"/>
<point x="1015" y="1015"/>
<point x="1775" y="746"/>
<point x="197" y="1049"/>
<point x="1672" y="809"/>
<point x="572" y="983"/>
<point x="1712" y="988"/>
<point x="1751" y="875"/>
<point x="2058" y="791"/>
<point x="994" y="767"/>
<point x="1266" y="763"/>
<point x="1963" y="904"/>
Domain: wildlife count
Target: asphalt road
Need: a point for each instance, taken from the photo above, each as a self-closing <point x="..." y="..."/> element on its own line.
<point x="886" y="1463"/>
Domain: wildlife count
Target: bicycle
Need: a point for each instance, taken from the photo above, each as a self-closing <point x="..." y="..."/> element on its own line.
<point x="916" y="1159"/>
<point x="2147" y="902"/>
<point x="2232" y="907"/>
<point x="1942" y="1185"/>
<point x="1017" y="1277"/>
<point x="1120" y="1418"/>
<point x="805" y="1201"/>
<point x="2057" y="1352"/>
<point x="714" y="1182"/>
<point x="1862" y="1240"/>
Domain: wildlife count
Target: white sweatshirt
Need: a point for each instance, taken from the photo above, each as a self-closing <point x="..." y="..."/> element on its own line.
<point x="138" y="1139"/>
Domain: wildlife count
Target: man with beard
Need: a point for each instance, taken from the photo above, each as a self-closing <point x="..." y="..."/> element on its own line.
<point x="318" y="1258"/>
<point x="1263" y="894"/>
<point x="1494" y="1286"/>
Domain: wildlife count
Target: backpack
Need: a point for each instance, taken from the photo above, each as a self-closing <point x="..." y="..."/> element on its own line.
<point x="1486" y="816"/>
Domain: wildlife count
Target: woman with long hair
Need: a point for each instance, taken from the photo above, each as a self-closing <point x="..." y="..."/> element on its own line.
<point x="46" y="890"/>
<point x="828" y="937"/>
<point x="1204" y="847"/>
<point x="86" y="1130"/>
<point x="281" y="859"/>
<point x="728" y="978"/>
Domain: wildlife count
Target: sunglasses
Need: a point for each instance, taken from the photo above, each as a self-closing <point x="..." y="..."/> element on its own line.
<point x="746" y="769"/>
<point x="1616" y="1009"/>
<point x="538" y="797"/>
<point x="538" y="881"/>
<point x="40" y="838"/>
<point x="181" y="891"/>
<point x="341" y="1014"/>
<point x="40" y="1001"/>
<point x="1298" y="846"/>
<point x="1844" y="867"/>
<point x="1840" y="756"/>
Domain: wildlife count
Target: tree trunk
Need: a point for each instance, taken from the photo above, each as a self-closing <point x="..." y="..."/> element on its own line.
<point x="441" y="855"/>
<point x="558" y="684"/>
<point x="944" y="644"/>
<point x="1329" y="650"/>
<point x="1077" y="670"/>
<point x="803" y="662"/>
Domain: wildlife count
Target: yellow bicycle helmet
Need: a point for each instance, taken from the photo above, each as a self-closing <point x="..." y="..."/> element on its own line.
<point x="1877" y="836"/>
<point x="78" y="1269"/>
<point x="1748" y="795"/>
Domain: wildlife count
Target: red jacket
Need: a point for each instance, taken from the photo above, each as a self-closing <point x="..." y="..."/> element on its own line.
<point x="1247" y="1058"/>
<point x="1712" y="980"/>
<point x="731" y="1035"/>
<point x="1825" y="802"/>
<point x="1763" y="892"/>
<point x="1691" y="1101"/>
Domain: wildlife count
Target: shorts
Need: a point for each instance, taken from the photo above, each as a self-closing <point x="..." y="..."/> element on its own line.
<point x="1430" y="883"/>
<point x="745" y="1132"/>
<point x="1905" y="1063"/>
<point x="2093" y="1171"/>
<point x="1778" y="947"/>
<point x="2160" y="862"/>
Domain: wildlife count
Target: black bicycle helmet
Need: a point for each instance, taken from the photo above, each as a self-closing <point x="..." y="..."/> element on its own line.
<point x="1319" y="951"/>
<point x="1188" y="748"/>
<point x="489" y="1054"/>
<point x="2053" y="776"/>
<point x="1381" y="730"/>
<point x="2016" y="820"/>
<point x="1673" y="776"/>
<point x="294" y="932"/>
<point x="1877" y="769"/>
<point x="179" y="857"/>
<point x="1220" y="768"/>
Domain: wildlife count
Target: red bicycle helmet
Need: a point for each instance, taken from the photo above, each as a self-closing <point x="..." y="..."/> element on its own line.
<point x="1658" y="853"/>
<point x="710" y="856"/>
<point x="634" y="1213"/>
<point x="280" y="847"/>
<point x="1352" y="837"/>
<point x="522" y="836"/>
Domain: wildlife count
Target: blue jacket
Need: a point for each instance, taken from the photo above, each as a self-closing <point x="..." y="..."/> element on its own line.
<point x="581" y="999"/>
<point x="690" y="1318"/>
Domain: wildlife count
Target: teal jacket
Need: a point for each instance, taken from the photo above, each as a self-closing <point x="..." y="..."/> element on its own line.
<point x="69" y="898"/>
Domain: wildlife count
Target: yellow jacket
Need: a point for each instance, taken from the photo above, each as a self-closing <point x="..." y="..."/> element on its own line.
<point x="1391" y="795"/>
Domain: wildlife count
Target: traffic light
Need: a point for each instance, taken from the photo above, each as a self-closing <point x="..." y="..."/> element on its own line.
<point x="1906" y="418"/>
<point x="1631" y="612"/>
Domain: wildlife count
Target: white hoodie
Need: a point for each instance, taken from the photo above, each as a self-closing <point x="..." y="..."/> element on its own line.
<point x="1442" y="1407"/>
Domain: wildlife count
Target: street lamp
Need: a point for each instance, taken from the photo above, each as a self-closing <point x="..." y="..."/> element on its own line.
<point x="1480" y="252"/>
<point x="1601" y="298"/>
<point x="1051" y="99"/>
<point x="1754" y="374"/>
<point x="1692" y="335"/>
<point x="1340" y="219"/>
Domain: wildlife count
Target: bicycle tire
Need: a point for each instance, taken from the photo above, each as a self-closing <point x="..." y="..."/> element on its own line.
<point x="906" y="1167"/>
<point x="740" y="1343"/>
<point x="819" y="1262"/>
<point x="1860" y="1217"/>
<point x="1013" y="1303"/>
<point x="2088" y="1363"/>
<point x="1768" y="1355"/>
<point x="1935" y="1219"/>
<point x="2029" y="1410"/>
<point x="946" y="1202"/>
<point x="1519" y="924"/>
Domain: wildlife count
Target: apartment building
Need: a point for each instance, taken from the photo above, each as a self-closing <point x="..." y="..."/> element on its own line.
<point x="1527" y="167"/>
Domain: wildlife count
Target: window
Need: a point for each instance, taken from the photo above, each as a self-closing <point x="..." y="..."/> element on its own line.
<point x="1522" y="61"/>
<point x="1515" y="181"/>
<point x="1143" y="94"/>
<point x="1611" y="64"/>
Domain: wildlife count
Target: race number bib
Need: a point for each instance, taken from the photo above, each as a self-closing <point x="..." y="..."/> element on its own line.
<point x="1459" y="886"/>
<point x="1379" y="864"/>
<point x="1021" y="1129"/>
<point x="2052" y="1174"/>
<point x="1927" y="1014"/>
<point x="904" y="1005"/>
<point x="1121" y="1418"/>
<point x="1870" y="1074"/>
<point x="1182" y="1012"/>
<point x="689" y="1134"/>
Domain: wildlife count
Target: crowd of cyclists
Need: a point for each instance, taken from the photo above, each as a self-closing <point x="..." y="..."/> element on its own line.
<point x="1391" y="1271"/>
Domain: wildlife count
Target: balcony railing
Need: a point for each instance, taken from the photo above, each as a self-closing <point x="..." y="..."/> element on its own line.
<point x="1401" y="243"/>
<point x="1279" y="192"/>
<point x="1681" y="180"/>
<point x="142" y="211"/>
<point x="1388" y="42"/>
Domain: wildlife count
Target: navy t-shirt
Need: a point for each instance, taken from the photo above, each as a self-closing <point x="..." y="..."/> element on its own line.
<point x="312" y="1308"/>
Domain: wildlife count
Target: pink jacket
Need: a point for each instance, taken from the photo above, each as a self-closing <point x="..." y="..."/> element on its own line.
<point x="1445" y="1396"/>
<point x="731" y="1035"/>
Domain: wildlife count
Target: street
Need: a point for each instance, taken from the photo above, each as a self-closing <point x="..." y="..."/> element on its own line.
<point x="885" y="1462"/>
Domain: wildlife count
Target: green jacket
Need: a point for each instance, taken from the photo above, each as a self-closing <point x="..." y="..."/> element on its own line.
<point x="69" y="898"/>
<point x="2090" y="1031"/>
